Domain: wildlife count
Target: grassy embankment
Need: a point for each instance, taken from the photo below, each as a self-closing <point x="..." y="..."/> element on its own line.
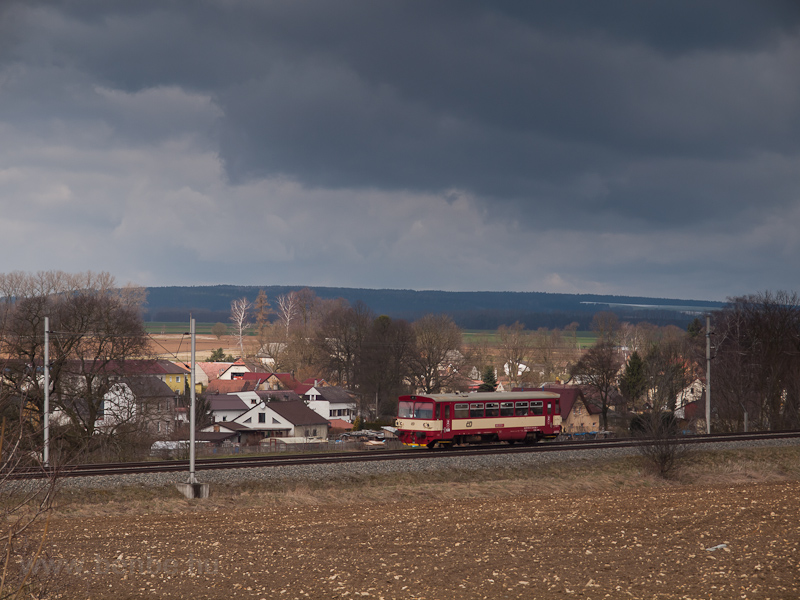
<point x="701" y="468"/>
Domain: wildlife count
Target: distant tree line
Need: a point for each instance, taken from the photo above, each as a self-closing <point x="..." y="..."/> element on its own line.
<point x="211" y="304"/>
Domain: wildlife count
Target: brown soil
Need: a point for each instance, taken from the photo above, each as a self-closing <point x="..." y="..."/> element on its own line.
<point x="179" y="347"/>
<point x="675" y="541"/>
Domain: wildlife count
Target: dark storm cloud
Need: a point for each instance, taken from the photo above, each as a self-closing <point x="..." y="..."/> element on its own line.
<point x="610" y="116"/>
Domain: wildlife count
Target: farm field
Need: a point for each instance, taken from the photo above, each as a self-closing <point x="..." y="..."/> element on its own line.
<point x="170" y="340"/>
<point x="727" y="530"/>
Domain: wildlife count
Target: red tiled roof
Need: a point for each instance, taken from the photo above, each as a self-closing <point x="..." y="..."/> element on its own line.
<point x="230" y="386"/>
<point x="213" y="369"/>
<point x="569" y="396"/>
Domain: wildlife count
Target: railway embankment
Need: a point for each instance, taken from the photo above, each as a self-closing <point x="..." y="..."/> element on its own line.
<point x="419" y="464"/>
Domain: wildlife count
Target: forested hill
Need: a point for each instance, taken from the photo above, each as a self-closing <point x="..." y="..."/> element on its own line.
<point x="471" y="310"/>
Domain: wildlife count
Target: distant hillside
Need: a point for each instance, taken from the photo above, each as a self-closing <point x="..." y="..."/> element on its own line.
<point x="471" y="310"/>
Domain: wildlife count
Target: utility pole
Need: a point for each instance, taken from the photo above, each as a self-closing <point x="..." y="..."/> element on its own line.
<point x="192" y="489"/>
<point x="46" y="451"/>
<point x="708" y="374"/>
<point x="192" y="423"/>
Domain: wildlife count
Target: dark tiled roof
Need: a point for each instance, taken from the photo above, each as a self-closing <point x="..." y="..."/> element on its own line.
<point x="335" y="394"/>
<point x="226" y="402"/>
<point x="297" y="413"/>
<point x="279" y="395"/>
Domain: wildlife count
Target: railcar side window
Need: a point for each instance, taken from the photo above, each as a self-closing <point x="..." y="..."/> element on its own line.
<point x="492" y="409"/>
<point x="506" y="409"/>
<point x="461" y="411"/>
<point x="476" y="410"/>
<point x="537" y="407"/>
<point x="522" y="409"/>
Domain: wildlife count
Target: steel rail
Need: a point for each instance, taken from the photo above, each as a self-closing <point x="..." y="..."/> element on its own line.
<point x="94" y="470"/>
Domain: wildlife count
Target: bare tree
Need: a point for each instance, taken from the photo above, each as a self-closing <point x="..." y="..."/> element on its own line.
<point x="515" y="350"/>
<point x="340" y="340"/>
<point x="239" y="317"/>
<point x="288" y="310"/>
<point x="606" y="325"/>
<point x="384" y="363"/>
<point x="598" y="370"/>
<point x="437" y="339"/>
<point x="666" y="372"/>
<point x="757" y="362"/>
<point x="661" y="445"/>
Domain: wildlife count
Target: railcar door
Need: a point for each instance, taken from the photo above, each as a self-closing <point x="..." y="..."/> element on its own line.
<point x="548" y="414"/>
<point x="446" y="419"/>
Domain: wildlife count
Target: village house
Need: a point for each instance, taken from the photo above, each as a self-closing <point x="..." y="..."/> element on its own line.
<point x="329" y="401"/>
<point x="290" y="419"/>
<point x="577" y="414"/>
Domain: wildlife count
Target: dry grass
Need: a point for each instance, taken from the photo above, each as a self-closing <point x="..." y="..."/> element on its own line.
<point x="701" y="469"/>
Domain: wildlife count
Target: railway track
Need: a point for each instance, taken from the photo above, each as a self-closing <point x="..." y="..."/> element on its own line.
<point x="95" y="470"/>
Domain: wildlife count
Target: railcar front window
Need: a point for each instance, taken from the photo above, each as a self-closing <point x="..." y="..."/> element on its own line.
<point x="522" y="409"/>
<point x="423" y="410"/>
<point x="506" y="409"/>
<point x="475" y="411"/>
<point x="461" y="411"/>
<point x="492" y="409"/>
<point x="405" y="410"/>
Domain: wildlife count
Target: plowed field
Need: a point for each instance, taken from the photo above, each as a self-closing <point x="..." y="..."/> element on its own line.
<point x="672" y="542"/>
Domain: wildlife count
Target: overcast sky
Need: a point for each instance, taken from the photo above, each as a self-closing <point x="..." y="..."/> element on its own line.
<point x="622" y="147"/>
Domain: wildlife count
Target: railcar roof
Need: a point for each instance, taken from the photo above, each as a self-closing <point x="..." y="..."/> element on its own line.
<point x="484" y="397"/>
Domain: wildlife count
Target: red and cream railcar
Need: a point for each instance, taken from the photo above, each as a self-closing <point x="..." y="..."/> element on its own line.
<point x="450" y="419"/>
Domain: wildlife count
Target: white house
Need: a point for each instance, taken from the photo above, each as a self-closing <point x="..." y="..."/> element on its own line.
<point x="330" y="402"/>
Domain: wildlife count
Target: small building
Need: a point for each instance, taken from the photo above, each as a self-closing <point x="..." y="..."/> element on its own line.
<point x="292" y="419"/>
<point x="330" y="402"/>
<point x="577" y="414"/>
<point x="226" y="407"/>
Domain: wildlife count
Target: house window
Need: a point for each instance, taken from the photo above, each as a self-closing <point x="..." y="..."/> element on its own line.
<point x="177" y="379"/>
<point x="262" y="418"/>
<point x="224" y="418"/>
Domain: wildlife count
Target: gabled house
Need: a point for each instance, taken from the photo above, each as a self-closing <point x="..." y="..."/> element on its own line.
<point x="330" y="402"/>
<point x="206" y="372"/>
<point x="231" y="386"/>
<point x="235" y="370"/>
<point x="577" y="413"/>
<point x="255" y="397"/>
<point x="272" y="419"/>
<point x="226" y="407"/>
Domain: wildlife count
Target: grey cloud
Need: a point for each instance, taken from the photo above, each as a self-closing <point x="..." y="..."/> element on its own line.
<point x="609" y="116"/>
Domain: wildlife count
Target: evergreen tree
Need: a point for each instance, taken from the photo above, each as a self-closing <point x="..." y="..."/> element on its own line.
<point x="633" y="382"/>
<point x="695" y="328"/>
<point x="489" y="380"/>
